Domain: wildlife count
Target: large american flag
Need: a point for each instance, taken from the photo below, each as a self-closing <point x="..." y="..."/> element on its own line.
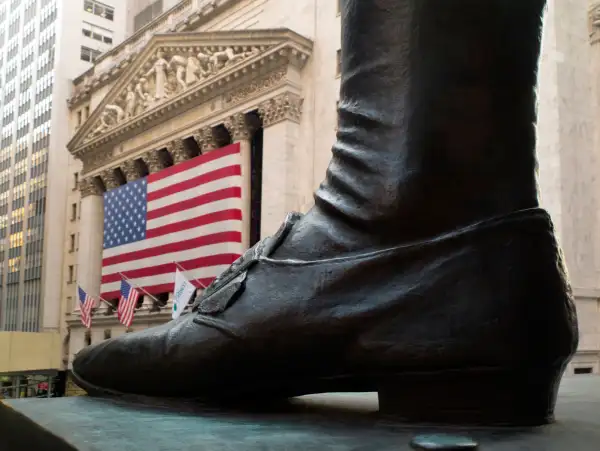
<point x="189" y="214"/>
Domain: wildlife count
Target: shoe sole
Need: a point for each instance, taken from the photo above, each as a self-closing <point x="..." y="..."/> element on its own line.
<point x="474" y="396"/>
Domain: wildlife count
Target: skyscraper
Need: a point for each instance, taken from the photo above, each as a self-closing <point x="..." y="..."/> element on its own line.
<point x="44" y="44"/>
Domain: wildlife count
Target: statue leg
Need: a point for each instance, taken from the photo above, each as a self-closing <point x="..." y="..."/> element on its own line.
<point x="180" y="75"/>
<point x="426" y="270"/>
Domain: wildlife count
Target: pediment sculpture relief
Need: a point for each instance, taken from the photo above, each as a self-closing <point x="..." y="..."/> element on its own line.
<point x="168" y="73"/>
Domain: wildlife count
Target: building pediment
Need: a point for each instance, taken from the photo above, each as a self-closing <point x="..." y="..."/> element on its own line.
<point x="183" y="68"/>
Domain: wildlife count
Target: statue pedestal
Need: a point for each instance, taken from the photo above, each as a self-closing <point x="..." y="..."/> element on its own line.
<point x="332" y="421"/>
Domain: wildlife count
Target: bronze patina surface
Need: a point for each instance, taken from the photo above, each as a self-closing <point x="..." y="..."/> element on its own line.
<point x="426" y="270"/>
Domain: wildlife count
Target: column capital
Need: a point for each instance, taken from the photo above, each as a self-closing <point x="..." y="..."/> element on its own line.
<point x="153" y="161"/>
<point x="87" y="187"/>
<point x="594" y="23"/>
<point x="280" y="108"/>
<point x="131" y="170"/>
<point x="205" y="139"/>
<point x="109" y="178"/>
<point x="238" y="127"/>
<point x="177" y="150"/>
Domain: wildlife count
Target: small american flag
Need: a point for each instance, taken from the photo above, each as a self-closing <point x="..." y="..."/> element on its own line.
<point x="190" y="213"/>
<point x="127" y="303"/>
<point x="86" y="304"/>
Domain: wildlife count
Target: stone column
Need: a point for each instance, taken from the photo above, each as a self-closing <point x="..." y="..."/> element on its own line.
<point x="91" y="230"/>
<point x="285" y="183"/>
<point x="204" y="138"/>
<point x="241" y="133"/>
<point x="178" y="151"/>
<point x="153" y="161"/>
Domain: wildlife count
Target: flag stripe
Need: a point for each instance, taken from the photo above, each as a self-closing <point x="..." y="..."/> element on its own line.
<point x="195" y="182"/>
<point x="209" y="187"/>
<point x="190" y="213"/>
<point x="203" y="161"/>
<point x="158" y="252"/>
<point x="191" y="223"/>
<point x="185" y="204"/>
<point x="208" y="229"/>
<point x="167" y="268"/>
<point x="213" y="207"/>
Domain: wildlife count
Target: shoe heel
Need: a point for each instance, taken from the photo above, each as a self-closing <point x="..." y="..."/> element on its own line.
<point x="475" y="397"/>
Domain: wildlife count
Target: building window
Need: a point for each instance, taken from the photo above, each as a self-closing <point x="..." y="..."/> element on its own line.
<point x="88" y="338"/>
<point x="89" y="55"/>
<point x="71" y="274"/>
<point x="97" y="33"/>
<point x="107" y="334"/>
<point x="338" y="63"/>
<point x="87" y="112"/>
<point x="79" y="118"/>
<point x="584" y="370"/>
<point x="99" y="9"/>
<point x="147" y="15"/>
<point x="75" y="181"/>
<point x="72" y="243"/>
<point x="73" y="212"/>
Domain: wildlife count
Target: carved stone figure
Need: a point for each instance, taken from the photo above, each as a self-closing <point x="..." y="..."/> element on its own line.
<point x="192" y="68"/>
<point x="180" y="64"/>
<point x="117" y="110"/>
<point x="130" y="102"/>
<point x="159" y="71"/>
<point x="106" y="122"/>
<point x="144" y="97"/>
<point x="219" y="60"/>
<point x="253" y="51"/>
<point x="204" y="60"/>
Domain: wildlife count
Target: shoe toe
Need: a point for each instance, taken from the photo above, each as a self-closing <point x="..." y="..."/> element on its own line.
<point x="123" y="364"/>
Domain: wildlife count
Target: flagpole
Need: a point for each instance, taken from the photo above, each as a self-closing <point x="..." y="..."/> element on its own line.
<point x="196" y="279"/>
<point x="139" y="288"/>
<point x="101" y="299"/>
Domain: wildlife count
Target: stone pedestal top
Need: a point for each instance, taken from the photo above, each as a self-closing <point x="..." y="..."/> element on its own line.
<point x="320" y="422"/>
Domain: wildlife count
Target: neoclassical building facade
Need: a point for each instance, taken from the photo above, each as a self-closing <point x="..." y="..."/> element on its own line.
<point x="265" y="74"/>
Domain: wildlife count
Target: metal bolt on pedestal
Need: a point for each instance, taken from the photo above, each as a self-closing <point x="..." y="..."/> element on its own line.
<point x="443" y="442"/>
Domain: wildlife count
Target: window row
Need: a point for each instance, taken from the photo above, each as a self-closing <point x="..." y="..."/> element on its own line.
<point x="99" y="9"/>
<point x="97" y="33"/>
